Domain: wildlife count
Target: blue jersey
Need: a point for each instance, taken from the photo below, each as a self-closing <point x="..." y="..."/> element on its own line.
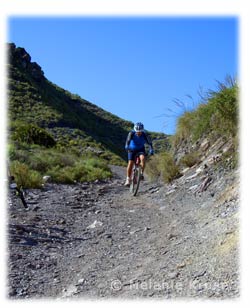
<point x="135" y="142"/>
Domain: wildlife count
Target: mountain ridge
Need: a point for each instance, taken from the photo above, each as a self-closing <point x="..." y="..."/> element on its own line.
<point x="35" y="99"/>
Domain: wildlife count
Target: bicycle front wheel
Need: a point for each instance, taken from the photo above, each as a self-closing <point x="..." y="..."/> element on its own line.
<point x="135" y="183"/>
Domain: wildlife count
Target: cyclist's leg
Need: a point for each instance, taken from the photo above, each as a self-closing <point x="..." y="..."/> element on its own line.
<point x="142" y="153"/>
<point x="143" y="161"/>
<point x="129" y="167"/>
<point x="142" y="156"/>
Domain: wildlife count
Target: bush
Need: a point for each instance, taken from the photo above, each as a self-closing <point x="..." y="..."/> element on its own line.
<point x="226" y="105"/>
<point x="185" y="126"/>
<point x="43" y="159"/>
<point x="31" y="162"/>
<point x="31" y="134"/>
<point x="61" y="175"/>
<point x="169" y="169"/>
<point x="163" y="166"/>
<point x="94" y="169"/>
<point x="11" y="151"/>
<point x="190" y="159"/>
<point x="83" y="171"/>
<point x="152" y="168"/>
<point x="217" y="116"/>
<point x="24" y="176"/>
<point x="203" y="121"/>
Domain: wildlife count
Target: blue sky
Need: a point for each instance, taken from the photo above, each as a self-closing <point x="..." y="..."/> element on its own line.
<point x="132" y="67"/>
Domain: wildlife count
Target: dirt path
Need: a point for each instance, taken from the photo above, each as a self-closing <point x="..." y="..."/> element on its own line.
<point x="95" y="240"/>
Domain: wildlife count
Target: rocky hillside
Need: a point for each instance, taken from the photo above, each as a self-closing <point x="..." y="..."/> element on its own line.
<point x="72" y="121"/>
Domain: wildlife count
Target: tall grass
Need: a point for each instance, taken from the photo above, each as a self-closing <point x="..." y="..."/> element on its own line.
<point x="216" y="116"/>
<point x="190" y="159"/>
<point x="162" y="166"/>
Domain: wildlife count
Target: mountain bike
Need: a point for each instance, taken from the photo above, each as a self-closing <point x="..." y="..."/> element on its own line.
<point x="16" y="193"/>
<point x="136" y="175"/>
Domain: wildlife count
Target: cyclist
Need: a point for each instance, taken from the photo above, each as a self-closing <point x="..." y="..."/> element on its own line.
<point x="135" y="142"/>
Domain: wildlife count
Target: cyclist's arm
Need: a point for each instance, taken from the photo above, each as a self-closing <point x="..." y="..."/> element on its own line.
<point x="149" y="141"/>
<point x="129" y="137"/>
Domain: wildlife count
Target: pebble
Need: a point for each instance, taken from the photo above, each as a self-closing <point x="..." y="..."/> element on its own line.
<point x="95" y="224"/>
<point x="80" y="281"/>
<point x="170" y="192"/>
<point x="173" y="275"/>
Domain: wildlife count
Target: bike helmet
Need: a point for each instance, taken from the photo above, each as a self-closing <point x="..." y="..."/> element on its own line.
<point x="139" y="127"/>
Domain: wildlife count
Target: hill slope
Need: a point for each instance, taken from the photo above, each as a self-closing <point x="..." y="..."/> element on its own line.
<point x="43" y="115"/>
<point x="34" y="99"/>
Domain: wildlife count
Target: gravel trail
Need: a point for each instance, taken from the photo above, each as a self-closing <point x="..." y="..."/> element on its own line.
<point x="96" y="240"/>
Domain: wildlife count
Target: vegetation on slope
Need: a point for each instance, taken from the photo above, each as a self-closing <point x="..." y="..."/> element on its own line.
<point x="47" y="122"/>
<point x="53" y="132"/>
<point x="217" y="117"/>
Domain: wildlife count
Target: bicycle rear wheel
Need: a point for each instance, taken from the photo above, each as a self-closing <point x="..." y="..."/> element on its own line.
<point x="135" y="183"/>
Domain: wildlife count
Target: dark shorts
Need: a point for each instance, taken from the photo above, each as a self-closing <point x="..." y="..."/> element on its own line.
<point x="131" y="154"/>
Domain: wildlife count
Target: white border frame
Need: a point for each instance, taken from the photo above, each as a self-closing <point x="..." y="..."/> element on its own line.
<point x="118" y="8"/>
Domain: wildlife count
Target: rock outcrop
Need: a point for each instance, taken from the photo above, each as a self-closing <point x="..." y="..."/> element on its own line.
<point x="20" y="57"/>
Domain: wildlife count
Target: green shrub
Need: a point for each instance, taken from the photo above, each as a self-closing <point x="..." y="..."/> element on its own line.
<point x="61" y="175"/>
<point x="44" y="159"/>
<point x="83" y="171"/>
<point x="202" y="121"/>
<point x="169" y="169"/>
<point x="62" y="159"/>
<point x="185" y="126"/>
<point x="152" y="168"/>
<point x="11" y="151"/>
<point x="40" y="161"/>
<point x="24" y="176"/>
<point x="31" y="162"/>
<point x="31" y="134"/>
<point x="163" y="166"/>
<point x="226" y="105"/>
<point x="96" y="169"/>
<point x="92" y="163"/>
<point x="217" y="116"/>
<point x="190" y="159"/>
<point x="80" y="172"/>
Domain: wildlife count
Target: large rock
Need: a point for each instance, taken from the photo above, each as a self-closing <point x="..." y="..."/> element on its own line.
<point x="36" y="71"/>
<point x="23" y="59"/>
<point x="205" y="145"/>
